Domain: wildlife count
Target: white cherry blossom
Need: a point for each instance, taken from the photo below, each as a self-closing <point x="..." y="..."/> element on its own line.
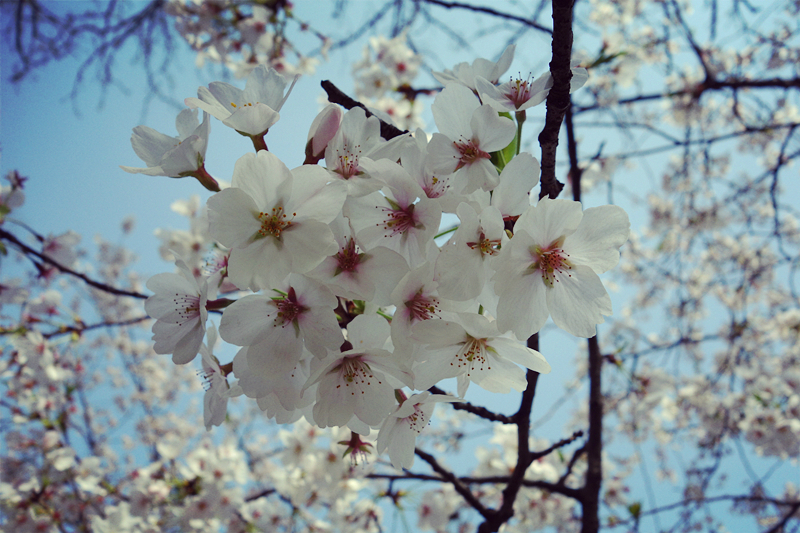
<point x="357" y="381"/>
<point x="473" y="350"/>
<point x="251" y="111"/>
<point x="174" y="157"/>
<point x="275" y="220"/>
<point x="179" y="307"/>
<point x="403" y="219"/>
<point x="465" y="73"/>
<point x="277" y="329"/>
<point x="551" y="267"/>
<point x="469" y="132"/>
<point x="399" y="431"/>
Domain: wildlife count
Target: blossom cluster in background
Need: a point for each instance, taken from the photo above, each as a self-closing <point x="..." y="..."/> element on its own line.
<point x="242" y="34"/>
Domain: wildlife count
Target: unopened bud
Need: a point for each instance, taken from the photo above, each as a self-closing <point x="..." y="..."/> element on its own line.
<point x="322" y="130"/>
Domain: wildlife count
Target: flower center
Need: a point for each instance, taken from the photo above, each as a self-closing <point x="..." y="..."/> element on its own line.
<point x="551" y="262"/>
<point x="486" y="246"/>
<point x="518" y="91"/>
<point x="274" y="223"/>
<point x="288" y="309"/>
<point x="417" y="420"/>
<point x="422" y="307"/>
<point x="354" y="372"/>
<point x="470" y="153"/>
<point x="472" y="355"/>
<point x="348" y="163"/>
<point x="207" y="377"/>
<point x="436" y="187"/>
<point x="188" y="307"/>
<point x="399" y="220"/>
<point x="347" y="258"/>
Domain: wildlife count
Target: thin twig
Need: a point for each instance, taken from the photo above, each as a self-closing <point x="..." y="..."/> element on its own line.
<point x="462" y="489"/>
<point x="96" y="284"/>
<point x="476" y="410"/>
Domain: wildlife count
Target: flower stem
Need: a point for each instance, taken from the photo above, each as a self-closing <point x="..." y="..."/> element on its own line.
<point x="521" y="116"/>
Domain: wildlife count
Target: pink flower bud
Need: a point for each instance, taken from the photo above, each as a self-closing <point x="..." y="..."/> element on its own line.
<point x="323" y="129"/>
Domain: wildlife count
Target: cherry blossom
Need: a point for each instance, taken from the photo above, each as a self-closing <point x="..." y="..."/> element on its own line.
<point x="466" y="74"/>
<point x="357" y="381"/>
<point x="518" y="95"/>
<point x="276" y="329"/>
<point x="551" y="267"/>
<point x="251" y="111"/>
<point x="351" y="154"/>
<point x="274" y="220"/>
<point x="399" y="431"/>
<point x="353" y="273"/>
<point x="175" y="157"/>
<point x="472" y="349"/>
<point x="323" y="129"/>
<point x="215" y="400"/>
<point x="403" y="219"/>
<point x="462" y="267"/>
<point x="469" y="132"/>
<point x="179" y="307"/>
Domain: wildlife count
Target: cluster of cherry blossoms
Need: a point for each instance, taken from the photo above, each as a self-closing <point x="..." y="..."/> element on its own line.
<point x="243" y="34"/>
<point x="384" y="78"/>
<point x="330" y="278"/>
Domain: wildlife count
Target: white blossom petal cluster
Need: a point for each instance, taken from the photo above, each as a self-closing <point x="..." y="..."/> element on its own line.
<point x="351" y="298"/>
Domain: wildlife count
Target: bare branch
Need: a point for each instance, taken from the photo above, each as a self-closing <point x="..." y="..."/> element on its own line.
<point x="481" y="9"/>
<point x="462" y="489"/>
<point x="558" y="99"/>
<point x="476" y="409"/>
<point x="96" y="284"/>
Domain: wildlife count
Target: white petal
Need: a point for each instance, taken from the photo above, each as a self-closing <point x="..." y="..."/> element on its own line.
<point x="232" y="217"/>
<point x="516" y="352"/>
<point x="549" y="220"/>
<point x="578" y="302"/>
<point x="597" y="240"/>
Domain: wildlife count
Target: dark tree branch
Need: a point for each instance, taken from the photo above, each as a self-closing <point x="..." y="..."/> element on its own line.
<point x="480" y="9"/>
<point x="697" y="90"/>
<point x="558" y="100"/>
<point x="594" y="447"/>
<point x="462" y="489"/>
<point x="575" y="171"/>
<point x="96" y="284"/>
<point x="555" y="488"/>
<point x="777" y="528"/>
<point x="81" y="328"/>
<point x="535" y="456"/>
<point x="336" y="96"/>
<point x="261" y="494"/>
<point x="524" y="457"/>
<point x="476" y="410"/>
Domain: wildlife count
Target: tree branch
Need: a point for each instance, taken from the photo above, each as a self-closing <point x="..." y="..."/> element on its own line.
<point x="462" y="489"/>
<point x="590" y="522"/>
<point x="96" y="284"/>
<point x="558" y="99"/>
<point x="336" y="96"/>
<point x="480" y="9"/>
<point x="476" y="410"/>
<point x="524" y="458"/>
